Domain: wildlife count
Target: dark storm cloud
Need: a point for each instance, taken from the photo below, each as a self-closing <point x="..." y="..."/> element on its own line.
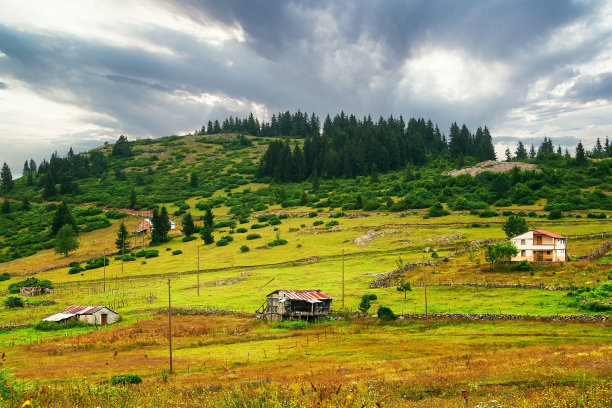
<point x="318" y="56"/>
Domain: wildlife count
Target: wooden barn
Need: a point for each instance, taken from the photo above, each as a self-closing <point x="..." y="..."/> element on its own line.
<point x="87" y="314"/>
<point x="295" y="304"/>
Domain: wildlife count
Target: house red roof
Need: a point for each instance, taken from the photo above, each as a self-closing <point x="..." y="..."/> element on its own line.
<point x="82" y="310"/>
<point x="550" y="234"/>
<point x="308" y="295"/>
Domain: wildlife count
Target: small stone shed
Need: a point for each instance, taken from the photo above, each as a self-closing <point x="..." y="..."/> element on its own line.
<point x="88" y="314"/>
<point x="295" y="304"/>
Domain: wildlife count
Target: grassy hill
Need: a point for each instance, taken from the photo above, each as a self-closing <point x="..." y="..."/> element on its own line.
<point x="380" y="222"/>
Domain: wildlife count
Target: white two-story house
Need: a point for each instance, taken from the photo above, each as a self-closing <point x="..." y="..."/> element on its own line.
<point x="539" y="246"/>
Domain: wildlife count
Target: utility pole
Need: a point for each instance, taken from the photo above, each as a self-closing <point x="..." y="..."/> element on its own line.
<point x="170" y="325"/>
<point x="342" y="278"/>
<point x="425" y="287"/>
<point x="104" y="263"/>
<point x="198" y="274"/>
<point x="566" y="253"/>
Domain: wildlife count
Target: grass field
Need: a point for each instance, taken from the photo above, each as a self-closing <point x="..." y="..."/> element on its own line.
<point x="236" y="361"/>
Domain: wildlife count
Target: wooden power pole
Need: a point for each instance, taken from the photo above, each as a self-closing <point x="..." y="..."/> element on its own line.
<point x="198" y="274"/>
<point x="170" y="325"/>
<point x="342" y="278"/>
<point x="104" y="263"/>
<point x="425" y="287"/>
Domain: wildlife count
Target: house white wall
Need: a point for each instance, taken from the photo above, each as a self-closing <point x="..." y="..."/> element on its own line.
<point x="96" y="318"/>
<point x="532" y="249"/>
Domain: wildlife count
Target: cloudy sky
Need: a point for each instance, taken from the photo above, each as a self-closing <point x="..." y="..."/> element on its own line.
<point x="78" y="73"/>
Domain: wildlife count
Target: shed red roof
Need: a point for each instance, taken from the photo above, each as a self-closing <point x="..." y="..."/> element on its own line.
<point x="307" y="295"/>
<point x="82" y="310"/>
<point x="550" y="234"/>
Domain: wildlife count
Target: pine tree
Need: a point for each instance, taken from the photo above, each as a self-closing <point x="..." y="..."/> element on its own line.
<point x="598" y="151"/>
<point x="188" y="225"/>
<point x="30" y="180"/>
<point x="521" y="152"/>
<point x="25" y="204"/>
<point x="156" y="236"/>
<point x="6" y="207"/>
<point x="122" y="242"/>
<point x="62" y="217"/>
<point x="193" y="179"/>
<point x="163" y="223"/>
<point x="66" y="240"/>
<point x="32" y="165"/>
<point x="532" y="152"/>
<point x="207" y="235"/>
<point x="508" y="155"/>
<point x="580" y="155"/>
<point x="208" y="218"/>
<point x="49" y="186"/>
<point x="26" y="168"/>
<point x="122" y="147"/>
<point x="6" y="178"/>
<point x="133" y="199"/>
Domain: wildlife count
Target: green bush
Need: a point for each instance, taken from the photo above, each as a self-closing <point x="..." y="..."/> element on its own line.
<point x="332" y="223"/>
<point x="312" y="214"/>
<point x="277" y="242"/>
<point x="52" y="326"/>
<point x="384" y="313"/>
<point x="147" y="253"/>
<point x="316" y="223"/>
<point x="13" y="302"/>
<point x="177" y="252"/>
<point x="126" y="258"/>
<point x="487" y="214"/>
<point x="29" y="282"/>
<point x="74" y="264"/>
<point x="257" y="226"/>
<point x="96" y="263"/>
<point x="244" y="248"/>
<point x="74" y="270"/>
<point x="555" y="214"/>
<point x="4" y="276"/>
<point x="241" y="230"/>
<point x="125" y="379"/>
<point x="221" y="243"/>
<point x="523" y="266"/>
<point x="227" y="238"/>
<point x="274" y="221"/>
<point x="253" y="236"/>
<point x="189" y="238"/>
<point x="291" y="324"/>
<point x="115" y="215"/>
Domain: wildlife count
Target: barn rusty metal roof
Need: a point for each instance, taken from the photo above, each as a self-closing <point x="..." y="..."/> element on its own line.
<point x="82" y="310"/>
<point x="550" y="234"/>
<point x="307" y="295"/>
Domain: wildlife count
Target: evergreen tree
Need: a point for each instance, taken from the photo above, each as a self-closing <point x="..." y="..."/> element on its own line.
<point x="32" y="165"/>
<point x="598" y="150"/>
<point x="122" y="147"/>
<point x="188" y="225"/>
<point x="521" y="152"/>
<point x="315" y="181"/>
<point x="122" y="242"/>
<point x="207" y="235"/>
<point x="26" y="168"/>
<point x="62" y="217"/>
<point x="25" y="204"/>
<point x="208" y="218"/>
<point x="49" y="186"/>
<point x="30" y="180"/>
<point x="508" y="154"/>
<point x="193" y="179"/>
<point x="608" y="148"/>
<point x="66" y="240"/>
<point x="6" y="178"/>
<point x="133" y="198"/>
<point x="580" y="155"/>
<point x="6" y="207"/>
<point x="532" y="152"/>
<point x="163" y="224"/>
<point x="156" y="236"/>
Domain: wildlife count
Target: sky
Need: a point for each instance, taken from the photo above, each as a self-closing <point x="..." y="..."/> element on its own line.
<point x="79" y="73"/>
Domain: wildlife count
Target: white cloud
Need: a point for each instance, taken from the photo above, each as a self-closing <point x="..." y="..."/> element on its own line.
<point x="452" y="75"/>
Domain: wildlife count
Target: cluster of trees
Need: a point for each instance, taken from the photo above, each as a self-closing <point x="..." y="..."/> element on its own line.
<point x="547" y="152"/>
<point x="349" y="147"/>
<point x="297" y="125"/>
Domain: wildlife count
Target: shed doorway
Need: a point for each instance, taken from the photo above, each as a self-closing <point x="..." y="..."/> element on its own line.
<point x="104" y="318"/>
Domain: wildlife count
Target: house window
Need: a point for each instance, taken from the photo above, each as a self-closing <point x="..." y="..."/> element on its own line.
<point x="522" y="242"/>
<point x="522" y="252"/>
<point x="547" y="252"/>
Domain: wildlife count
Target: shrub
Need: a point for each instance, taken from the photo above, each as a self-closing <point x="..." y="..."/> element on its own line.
<point x="177" y="252"/>
<point x="487" y="214"/>
<point x="332" y="223"/>
<point x="96" y="263"/>
<point x="555" y="214"/>
<point x="241" y="230"/>
<point x="319" y="222"/>
<point x="274" y="221"/>
<point x="29" y="282"/>
<point x="312" y="214"/>
<point x="4" y="276"/>
<point x="125" y="258"/>
<point x="13" y="302"/>
<point x="523" y="266"/>
<point x="75" y="270"/>
<point x="189" y="238"/>
<point x="291" y="324"/>
<point x="504" y="202"/>
<point x="384" y="313"/>
<point x="257" y="226"/>
<point x="125" y="379"/>
<point x="74" y="264"/>
<point x="597" y="216"/>
<point x="337" y="215"/>
<point x="228" y="238"/>
<point x="244" y="248"/>
<point x="253" y="236"/>
<point x="52" y="326"/>
<point x="364" y="305"/>
<point x="222" y="242"/>
<point x="277" y="242"/>
<point x="146" y="253"/>
<point x="437" y="211"/>
<point x="115" y="215"/>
